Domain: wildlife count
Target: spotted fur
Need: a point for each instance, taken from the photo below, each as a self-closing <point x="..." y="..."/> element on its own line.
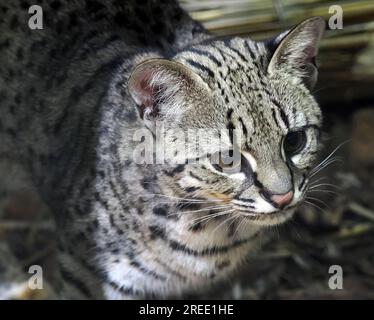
<point x="74" y="93"/>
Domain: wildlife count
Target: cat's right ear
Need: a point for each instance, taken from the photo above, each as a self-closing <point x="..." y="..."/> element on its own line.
<point x="295" y="51"/>
<point x="160" y="88"/>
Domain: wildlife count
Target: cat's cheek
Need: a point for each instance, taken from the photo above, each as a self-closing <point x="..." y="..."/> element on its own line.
<point x="238" y="177"/>
<point x="188" y="182"/>
<point x="302" y="161"/>
<point x="263" y="206"/>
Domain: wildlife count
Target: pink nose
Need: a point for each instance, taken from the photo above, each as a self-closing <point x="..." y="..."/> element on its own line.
<point x="281" y="200"/>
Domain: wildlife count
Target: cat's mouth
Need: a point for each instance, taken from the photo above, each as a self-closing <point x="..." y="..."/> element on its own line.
<point x="267" y="218"/>
<point x="272" y="218"/>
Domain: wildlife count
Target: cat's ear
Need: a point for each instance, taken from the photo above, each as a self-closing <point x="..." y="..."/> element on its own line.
<point x="161" y="87"/>
<point x="296" y="50"/>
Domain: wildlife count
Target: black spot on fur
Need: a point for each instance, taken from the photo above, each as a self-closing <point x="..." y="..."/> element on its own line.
<point x="115" y="251"/>
<point x="187" y="206"/>
<point x="177" y="169"/>
<point x="231" y="128"/>
<point x="148" y="183"/>
<point x="196" y="227"/>
<point x="160" y="211"/>
<point x="156" y="232"/>
<point x="192" y="189"/>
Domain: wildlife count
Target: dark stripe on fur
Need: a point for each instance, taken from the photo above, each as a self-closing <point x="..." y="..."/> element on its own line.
<point x="176" y="246"/>
<point x="206" y="54"/>
<point x="282" y="114"/>
<point x="201" y="67"/>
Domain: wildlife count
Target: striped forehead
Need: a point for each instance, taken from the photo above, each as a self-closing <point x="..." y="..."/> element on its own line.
<point x="235" y="69"/>
<point x="257" y="128"/>
<point x="217" y="59"/>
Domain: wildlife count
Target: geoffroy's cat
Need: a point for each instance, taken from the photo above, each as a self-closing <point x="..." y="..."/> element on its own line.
<point x="74" y="93"/>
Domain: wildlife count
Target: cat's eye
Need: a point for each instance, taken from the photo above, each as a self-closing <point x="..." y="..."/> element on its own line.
<point x="294" y="142"/>
<point x="225" y="162"/>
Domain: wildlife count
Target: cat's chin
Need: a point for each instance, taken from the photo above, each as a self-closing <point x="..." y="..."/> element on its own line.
<point x="269" y="219"/>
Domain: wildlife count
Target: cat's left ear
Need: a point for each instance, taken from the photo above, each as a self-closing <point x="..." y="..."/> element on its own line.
<point x="162" y="88"/>
<point x="297" y="49"/>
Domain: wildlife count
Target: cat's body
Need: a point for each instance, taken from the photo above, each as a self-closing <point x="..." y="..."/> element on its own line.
<point x="68" y="115"/>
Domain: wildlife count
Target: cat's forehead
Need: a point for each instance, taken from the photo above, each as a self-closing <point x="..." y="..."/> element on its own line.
<point x="245" y="96"/>
<point x="225" y="57"/>
<point x="235" y="70"/>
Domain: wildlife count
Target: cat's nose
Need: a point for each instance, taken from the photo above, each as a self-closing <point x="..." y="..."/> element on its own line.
<point x="281" y="200"/>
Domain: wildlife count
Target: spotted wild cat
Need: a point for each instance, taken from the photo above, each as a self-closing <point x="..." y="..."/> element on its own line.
<point x="74" y="93"/>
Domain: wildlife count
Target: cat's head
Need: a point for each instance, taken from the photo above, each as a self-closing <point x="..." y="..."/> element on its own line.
<point x="252" y="99"/>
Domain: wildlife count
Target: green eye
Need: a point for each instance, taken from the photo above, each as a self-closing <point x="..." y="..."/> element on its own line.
<point x="224" y="162"/>
<point x="294" y="142"/>
<point x="221" y="161"/>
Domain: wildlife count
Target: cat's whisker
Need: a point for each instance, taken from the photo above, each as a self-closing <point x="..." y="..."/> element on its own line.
<point x="224" y="221"/>
<point x="323" y="191"/>
<point x="209" y="217"/>
<point x="200" y="210"/>
<point x="313" y="186"/>
<point x="318" y="180"/>
<point x="206" y="218"/>
<point x="325" y="165"/>
<point x="330" y="155"/>
<point x="319" y="89"/>
<point x="315" y="205"/>
<point x="324" y="184"/>
<point x="231" y="223"/>
<point x="186" y="203"/>
<point x="335" y="150"/>
<point x="277" y="229"/>
<point x="240" y="224"/>
<point x="205" y="209"/>
<point x="237" y="228"/>
<point x="184" y="199"/>
<point x="318" y="200"/>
